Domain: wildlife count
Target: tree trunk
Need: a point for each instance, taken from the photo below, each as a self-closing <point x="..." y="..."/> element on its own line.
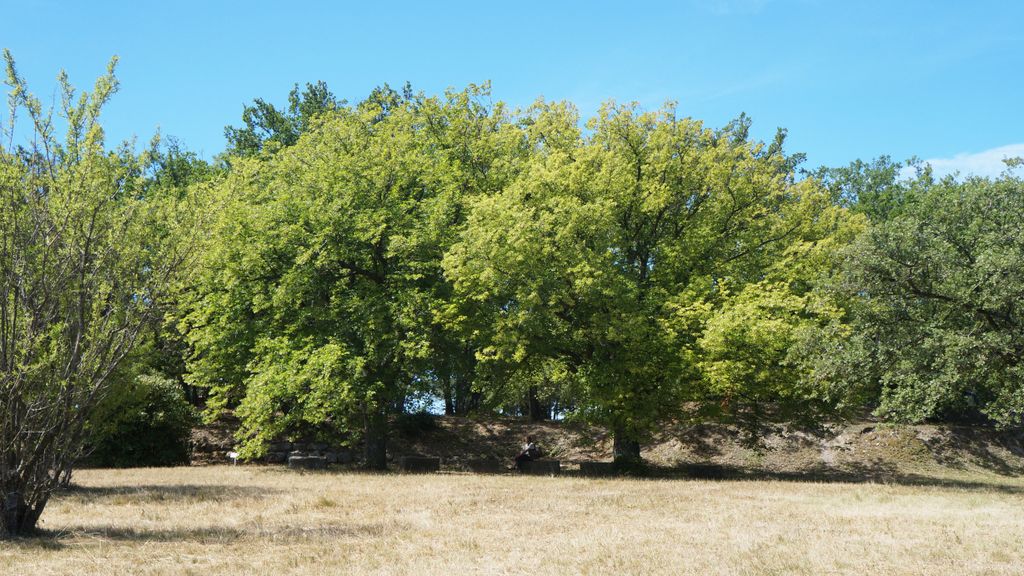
<point x="64" y="478"/>
<point x="18" y="518"/>
<point x="626" y="450"/>
<point x="375" y="438"/>
<point x="464" y="396"/>
<point x="449" y="398"/>
<point x="538" y="411"/>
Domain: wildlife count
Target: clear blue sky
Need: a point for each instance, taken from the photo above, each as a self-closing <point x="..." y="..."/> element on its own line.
<point x="849" y="79"/>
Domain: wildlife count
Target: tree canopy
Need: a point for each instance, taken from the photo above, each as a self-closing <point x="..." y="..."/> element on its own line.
<point x="935" y="293"/>
<point x="628" y="270"/>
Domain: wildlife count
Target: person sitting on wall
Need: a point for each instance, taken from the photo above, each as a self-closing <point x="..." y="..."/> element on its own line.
<point x="529" y="453"/>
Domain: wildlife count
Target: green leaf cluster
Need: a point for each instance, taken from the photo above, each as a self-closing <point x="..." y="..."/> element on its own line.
<point x="935" y="290"/>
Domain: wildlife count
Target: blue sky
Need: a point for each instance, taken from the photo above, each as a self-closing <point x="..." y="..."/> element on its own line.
<point x="850" y="79"/>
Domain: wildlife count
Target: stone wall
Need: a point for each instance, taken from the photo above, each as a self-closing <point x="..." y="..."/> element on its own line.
<point x="278" y="452"/>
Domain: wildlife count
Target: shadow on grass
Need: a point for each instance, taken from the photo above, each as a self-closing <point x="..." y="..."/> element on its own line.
<point x="872" y="472"/>
<point x="207" y="535"/>
<point x="41" y="540"/>
<point x="162" y="493"/>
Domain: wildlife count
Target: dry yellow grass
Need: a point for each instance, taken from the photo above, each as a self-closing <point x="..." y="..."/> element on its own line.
<point x="253" y="520"/>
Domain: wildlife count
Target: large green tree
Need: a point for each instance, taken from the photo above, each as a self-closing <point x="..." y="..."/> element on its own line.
<point x="596" y="271"/>
<point x="316" y="306"/>
<point x="935" y="288"/>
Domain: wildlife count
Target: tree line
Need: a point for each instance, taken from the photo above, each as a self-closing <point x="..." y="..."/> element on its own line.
<point x="340" y="263"/>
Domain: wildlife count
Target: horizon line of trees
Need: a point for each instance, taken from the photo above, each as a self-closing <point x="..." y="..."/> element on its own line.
<point x="631" y="268"/>
<point x="340" y="263"/>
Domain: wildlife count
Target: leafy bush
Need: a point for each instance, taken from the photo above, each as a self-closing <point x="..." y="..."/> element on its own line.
<point x="145" y="422"/>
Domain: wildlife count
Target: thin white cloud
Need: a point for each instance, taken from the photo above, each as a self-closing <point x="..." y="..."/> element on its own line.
<point x="987" y="163"/>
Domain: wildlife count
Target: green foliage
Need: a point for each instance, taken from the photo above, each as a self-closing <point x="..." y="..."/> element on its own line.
<point x="268" y="128"/>
<point x="296" y="393"/>
<point x="317" y="299"/>
<point x="935" y="291"/>
<point x="319" y="277"/>
<point x="748" y="351"/>
<point x="601" y="268"/>
<point x="88" y="255"/>
<point x="143" y="422"/>
<point x="644" y="268"/>
<point x="876" y="189"/>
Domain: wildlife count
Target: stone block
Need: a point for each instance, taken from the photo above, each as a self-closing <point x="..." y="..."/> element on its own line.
<point x="276" y="457"/>
<point x="541" y="467"/>
<point x="307" y="462"/>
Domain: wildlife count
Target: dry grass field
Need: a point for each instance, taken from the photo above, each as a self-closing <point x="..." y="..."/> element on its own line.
<point x="268" y="520"/>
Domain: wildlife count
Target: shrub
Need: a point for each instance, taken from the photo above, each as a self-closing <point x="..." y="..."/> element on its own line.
<point x="145" y="422"/>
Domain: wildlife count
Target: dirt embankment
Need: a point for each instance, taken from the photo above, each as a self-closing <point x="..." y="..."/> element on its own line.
<point x="855" y="450"/>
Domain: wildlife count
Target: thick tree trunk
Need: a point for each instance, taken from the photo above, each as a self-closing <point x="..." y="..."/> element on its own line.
<point x="465" y="398"/>
<point x="18" y="518"/>
<point x="375" y="435"/>
<point x="626" y="450"/>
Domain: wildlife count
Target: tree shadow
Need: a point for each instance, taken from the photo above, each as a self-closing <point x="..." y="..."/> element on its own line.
<point x="951" y="444"/>
<point x="879" y="471"/>
<point x="703" y="440"/>
<point x="198" y="534"/>
<point x="208" y="535"/>
<point x="163" y="493"/>
<point x="40" y="539"/>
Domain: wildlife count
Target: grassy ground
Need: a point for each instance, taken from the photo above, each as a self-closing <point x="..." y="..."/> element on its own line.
<point x="267" y="520"/>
